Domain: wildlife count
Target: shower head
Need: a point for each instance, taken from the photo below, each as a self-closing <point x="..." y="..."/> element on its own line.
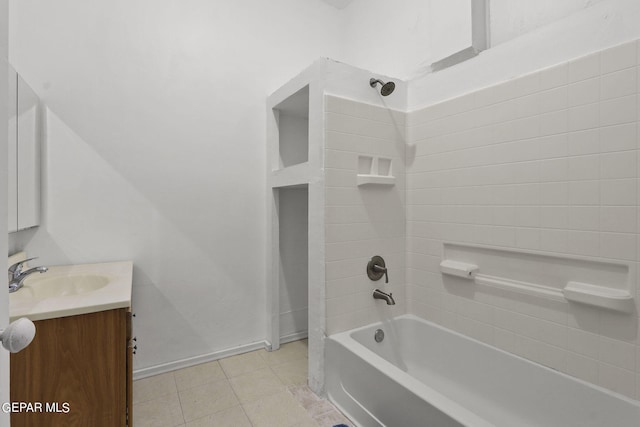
<point x="386" y="89"/>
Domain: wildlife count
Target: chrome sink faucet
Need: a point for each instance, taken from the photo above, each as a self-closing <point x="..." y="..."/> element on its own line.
<point x="388" y="297"/>
<point x="17" y="276"/>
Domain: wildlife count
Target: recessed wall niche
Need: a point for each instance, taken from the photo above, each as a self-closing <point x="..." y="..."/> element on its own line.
<point x="293" y="218"/>
<point x="292" y="117"/>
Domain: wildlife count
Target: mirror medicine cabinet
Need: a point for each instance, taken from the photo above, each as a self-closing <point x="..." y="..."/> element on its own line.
<point x="24" y="154"/>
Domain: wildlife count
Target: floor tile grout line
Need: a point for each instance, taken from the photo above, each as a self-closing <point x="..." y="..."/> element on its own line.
<point x="238" y="398"/>
<point x="239" y="401"/>
<point x="140" y="402"/>
<point x="235" y="394"/>
<point x="216" y="380"/>
<point x="184" y="421"/>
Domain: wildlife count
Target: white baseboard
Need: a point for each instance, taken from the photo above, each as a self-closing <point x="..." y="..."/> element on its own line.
<point x="297" y="336"/>
<point x="192" y="361"/>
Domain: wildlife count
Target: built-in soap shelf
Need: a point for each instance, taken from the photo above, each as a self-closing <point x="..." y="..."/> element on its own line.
<point x="596" y="283"/>
<point x="600" y="296"/>
<point x="374" y="170"/>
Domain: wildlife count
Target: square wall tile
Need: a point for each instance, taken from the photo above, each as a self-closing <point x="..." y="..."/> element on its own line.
<point x="553" y="123"/>
<point x="616" y="379"/>
<point x="618" y="58"/>
<point x="583" y="243"/>
<point x="584" y="68"/>
<point x="555" y="193"/>
<point x="585" y="116"/>
<point x="584" y="168"/>
<point x="618" y="84"/>
<point x="618" y="246"/>
<point x="620" y="219"/>
<point x="583" y="142"/>
<point x="584" y="343"/>
<point x="528" y="84"/>
<point x="621" y="164"/>
<point x="554" y="77"/>
<point x="617" y="353"/>
<point x="552" y="146"/>
<point x="584" y="218"/>
<point x="553" y="99"/>
<point x="583" y="92"/>
<point x="618" y="138"/>
<point x="619" y="110"/>
<point x="582" y="367"/>
<point x="555" y="170"/>
<point x="528" y="238"/>
<point x="618" y="192"/>
<point x="584" y="192"/>
<point x="554" y="217"/>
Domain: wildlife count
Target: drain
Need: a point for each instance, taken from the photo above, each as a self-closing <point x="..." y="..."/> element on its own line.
<point x="379" y="335"/>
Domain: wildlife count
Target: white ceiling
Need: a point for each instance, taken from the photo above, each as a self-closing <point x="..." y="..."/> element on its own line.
<point x="339" y="4"/>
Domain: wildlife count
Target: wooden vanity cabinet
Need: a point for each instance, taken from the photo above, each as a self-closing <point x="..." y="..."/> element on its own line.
<point x="82" y="361"/>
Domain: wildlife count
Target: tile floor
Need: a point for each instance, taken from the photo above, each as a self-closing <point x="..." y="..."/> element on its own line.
<point x="256" y="389"/>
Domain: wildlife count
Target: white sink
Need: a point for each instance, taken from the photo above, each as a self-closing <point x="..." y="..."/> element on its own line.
<point x="43" y="286"/>
<point x="67" y="290"/>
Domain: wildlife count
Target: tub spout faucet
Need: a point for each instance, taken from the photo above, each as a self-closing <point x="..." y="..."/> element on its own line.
<point x="17" y="276"/>
<point x="378" y="294"/>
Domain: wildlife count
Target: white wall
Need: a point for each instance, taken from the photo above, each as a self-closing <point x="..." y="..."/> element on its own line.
<point x="512" y="18"/>
<point x="156" y="150"/>
<point x="402" y="38"/>
<point x="605" y="24"/>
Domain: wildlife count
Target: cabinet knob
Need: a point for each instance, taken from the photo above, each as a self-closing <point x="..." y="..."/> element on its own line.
<point x="135" y="338"/>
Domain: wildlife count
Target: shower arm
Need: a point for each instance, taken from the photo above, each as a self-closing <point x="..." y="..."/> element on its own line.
<point x="373" y="82"/>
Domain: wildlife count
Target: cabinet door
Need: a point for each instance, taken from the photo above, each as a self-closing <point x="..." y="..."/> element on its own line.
<point x="12" y="154"/>
<point x="78" y="360"/>
<point x="28" y="156"/>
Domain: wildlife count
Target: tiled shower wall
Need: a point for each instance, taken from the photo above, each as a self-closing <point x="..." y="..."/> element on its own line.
<point x="546" y="162"/>
<point x="362" y="221"/>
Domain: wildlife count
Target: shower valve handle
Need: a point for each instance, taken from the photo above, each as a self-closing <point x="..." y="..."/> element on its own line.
<point x="382" y="270"/>
<point x="376" y="268"/>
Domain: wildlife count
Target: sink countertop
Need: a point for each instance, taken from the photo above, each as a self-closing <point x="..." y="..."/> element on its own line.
<point x="115" y="294"/>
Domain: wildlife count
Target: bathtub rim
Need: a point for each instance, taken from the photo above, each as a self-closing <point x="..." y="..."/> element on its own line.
<point x="454" y="410"/>
<point x="442" y="402"/>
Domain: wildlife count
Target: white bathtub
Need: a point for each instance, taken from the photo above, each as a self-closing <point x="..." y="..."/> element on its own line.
<point x="424" y="375"/>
